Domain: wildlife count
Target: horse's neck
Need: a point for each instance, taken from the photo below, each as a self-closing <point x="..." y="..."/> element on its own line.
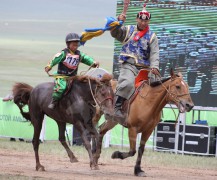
<point x="83" y="90"/>
<point x="157" y="96"/>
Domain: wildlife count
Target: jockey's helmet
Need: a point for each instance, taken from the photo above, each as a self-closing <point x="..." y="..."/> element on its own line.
<point x="72" y="37"/>
<point x="144" y="14"/>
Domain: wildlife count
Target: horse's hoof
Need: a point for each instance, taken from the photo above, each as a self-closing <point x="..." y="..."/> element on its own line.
<point x="95" y="167"/>
<point x="116" y="155"/>
<point x="73" y="160"/>
<point x="140" y="174"/>
<point x="40" y="168"/>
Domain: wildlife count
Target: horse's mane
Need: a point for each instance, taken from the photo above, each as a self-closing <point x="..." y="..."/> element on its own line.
<point x="85" y="78"/>
<point x="157" y="83"/>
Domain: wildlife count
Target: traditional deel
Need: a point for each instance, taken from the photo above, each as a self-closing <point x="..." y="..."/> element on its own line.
<point x="139" y="50"/>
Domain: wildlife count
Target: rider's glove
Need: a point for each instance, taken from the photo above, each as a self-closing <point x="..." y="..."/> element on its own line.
<point x="95" y="64"/>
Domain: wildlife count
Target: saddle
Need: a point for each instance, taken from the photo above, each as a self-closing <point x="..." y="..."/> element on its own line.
<point x="141" y="77"/>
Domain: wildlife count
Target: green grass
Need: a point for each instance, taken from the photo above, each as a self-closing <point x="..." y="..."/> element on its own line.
<point x="150" y="157"/>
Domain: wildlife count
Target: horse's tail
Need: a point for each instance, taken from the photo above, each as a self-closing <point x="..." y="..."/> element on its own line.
<point x="21" y="93"/>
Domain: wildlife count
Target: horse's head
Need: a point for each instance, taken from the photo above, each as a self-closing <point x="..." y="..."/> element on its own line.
<point x="178" y="93"/>
<point x="104" y="94"/>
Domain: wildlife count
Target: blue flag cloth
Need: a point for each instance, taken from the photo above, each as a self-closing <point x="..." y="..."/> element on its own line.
<point x="94" y="32"/>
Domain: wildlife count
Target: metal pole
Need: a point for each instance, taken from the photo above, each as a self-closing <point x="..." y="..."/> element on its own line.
<point x="72" y="134"/>
<point x="192" y="121"/>
<point x="107" y="139"/>
<point x="183" y="115"/>
<point x="122" y="140"/>
<point x="177" y="136"/>
<point x="42" y="134"/>
<point x="67" y="135"/>
<point x="216" y="146"/>
<point x="154" y="139"/>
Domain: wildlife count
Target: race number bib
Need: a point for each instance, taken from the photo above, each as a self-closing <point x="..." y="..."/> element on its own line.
<point x="71" y="61"/>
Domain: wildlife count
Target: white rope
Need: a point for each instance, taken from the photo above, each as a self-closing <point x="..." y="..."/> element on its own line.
<point x="92" y="94"/>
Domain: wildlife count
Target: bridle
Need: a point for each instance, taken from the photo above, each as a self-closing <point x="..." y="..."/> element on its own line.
<point x="98" y="102"/>
<point x="173" y="95"/>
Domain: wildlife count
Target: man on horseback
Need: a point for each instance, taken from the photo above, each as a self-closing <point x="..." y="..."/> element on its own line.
<point x="140" y="50"/>
<point x="68" y="61"/>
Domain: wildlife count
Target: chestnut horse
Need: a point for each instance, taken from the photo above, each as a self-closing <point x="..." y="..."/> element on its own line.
<point x="144" y="114"/>
<point x="76" y="107"/>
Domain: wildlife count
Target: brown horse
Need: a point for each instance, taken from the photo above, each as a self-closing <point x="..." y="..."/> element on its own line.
<point x="144" y="114"/>
<point x="76" y="107"/>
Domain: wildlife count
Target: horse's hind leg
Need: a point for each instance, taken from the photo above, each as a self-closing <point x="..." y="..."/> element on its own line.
<point x="62" y="139"/>
<point x="132" y="133"/>
<point x="37" y="120"/>
<point x="137" y="169"/>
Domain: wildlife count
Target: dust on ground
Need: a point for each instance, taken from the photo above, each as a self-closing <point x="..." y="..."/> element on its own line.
<point x="21" y="165"/>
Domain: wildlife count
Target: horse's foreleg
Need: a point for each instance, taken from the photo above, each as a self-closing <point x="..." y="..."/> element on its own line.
<point x="93" y="139"/>
<point x="87" y="145"/>
<point x="132" y="133"/>
<point x="106" y="126"/>
<point x="62" y="139"/>
<point x="35" y="141"/>
<point x="137" y="169"/>
<point x="97" y="116"/>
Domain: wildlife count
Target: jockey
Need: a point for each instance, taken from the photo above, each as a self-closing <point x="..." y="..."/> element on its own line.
<point x="139" y="50"/>
<point x="68" y="61"/>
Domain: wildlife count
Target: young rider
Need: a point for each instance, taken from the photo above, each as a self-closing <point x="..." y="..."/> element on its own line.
<point x="68" y="61"/>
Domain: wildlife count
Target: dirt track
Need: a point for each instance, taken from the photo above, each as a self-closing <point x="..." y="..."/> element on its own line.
<point x="21" y="165"/>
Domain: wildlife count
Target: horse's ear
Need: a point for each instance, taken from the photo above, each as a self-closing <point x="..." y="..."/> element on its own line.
<point x="172" y="74"/>
<point x="106" y="78"/>
<point x="180" y="75"/>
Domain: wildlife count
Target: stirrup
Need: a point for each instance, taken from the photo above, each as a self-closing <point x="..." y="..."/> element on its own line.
<point x="51" y="106"/>
<point x="120" y="119"/>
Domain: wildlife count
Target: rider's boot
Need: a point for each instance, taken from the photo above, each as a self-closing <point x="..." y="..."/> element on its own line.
<point x="53" y="103"/>
<point x="118" y="114"/>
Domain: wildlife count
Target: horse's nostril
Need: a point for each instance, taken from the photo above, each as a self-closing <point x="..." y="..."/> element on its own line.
<point x="108" y="116"/>
<point x="189" y="106"/>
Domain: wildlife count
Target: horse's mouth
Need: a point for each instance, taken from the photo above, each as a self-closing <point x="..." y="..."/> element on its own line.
<point x="181" y="107"/>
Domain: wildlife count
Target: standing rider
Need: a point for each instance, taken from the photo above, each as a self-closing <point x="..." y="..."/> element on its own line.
<point x="68" y="61"/>
<point x="139" y="50"/>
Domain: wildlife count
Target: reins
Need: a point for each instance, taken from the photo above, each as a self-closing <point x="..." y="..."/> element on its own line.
<point x="84" y="72"/>
<point x="92" y="94"/>
<point x="98" y="104"/>
<point x="174" y="97"/>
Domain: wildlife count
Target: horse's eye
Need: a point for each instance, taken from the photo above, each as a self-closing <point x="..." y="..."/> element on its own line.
<point x="178" y="87"/>
<point x="103" y="92"/>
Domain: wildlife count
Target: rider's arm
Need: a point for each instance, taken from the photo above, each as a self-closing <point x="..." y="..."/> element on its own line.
<point x="119" y="33"/>
<point x="154" y="52"/>
<point x="86" y="59"/>
<point x="56" y="59"/>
